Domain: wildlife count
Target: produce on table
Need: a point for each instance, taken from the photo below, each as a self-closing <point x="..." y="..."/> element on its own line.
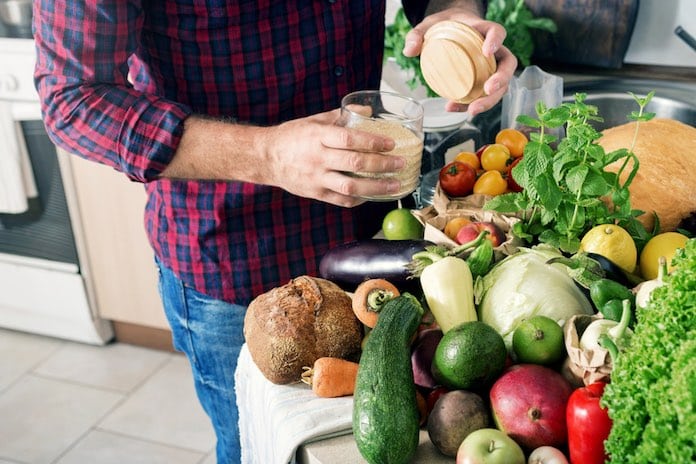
<point x="454" y="225"/>
<point x="489" y="446"/>
<point x="611" y="335"/>
<point x="512" y="184"/>
<point x="292" y="326"/>
<point x="651" y="395"/>
<point x="643" y="291"/>
<point x="547" y="455"/>
<point x="401" y="224"/>
<point x="385" y="409"/>
<point x="351" y="263"/>
<point x="564" y="187"/>
<point x="370" y="297"/>
<point x="481" y="259"/>
<point x="457" y="179"/>
<point x="469" y="158"/>
<point x="470" y="356"/>
<point x="495" y="157"/>
<point x="588" y="425"/>
<point x="513" y="139"/>
<point x="607" y="296"/>
<point x="524" y="285"/>
<point x="614" y="243"/>
<point x="447" y="282"/>
<point x="664" y="244"/>
<point x="491" y="183"/>
<point x="455" y="415"/>
<point x="538" y="340"/>
<point x="470" y="231"/>
<point x="331" y="377"/>
<point x="664" y="184"/>
<point x="422" y="353"/>
<point x="529" y="404"/>
<point x="584" y="366"/>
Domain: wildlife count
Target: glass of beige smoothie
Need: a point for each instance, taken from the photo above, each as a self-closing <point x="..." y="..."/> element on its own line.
<point x="393" y="115"/>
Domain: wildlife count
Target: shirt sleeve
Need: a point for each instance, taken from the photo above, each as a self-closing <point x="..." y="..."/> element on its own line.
<point x="89" y="105"/>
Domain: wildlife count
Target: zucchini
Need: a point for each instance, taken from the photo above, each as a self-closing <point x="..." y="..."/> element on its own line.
<point x="385" y="410"/>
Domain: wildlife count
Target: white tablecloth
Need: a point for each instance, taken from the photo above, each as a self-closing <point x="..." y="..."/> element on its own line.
<point x="275" y="419"/>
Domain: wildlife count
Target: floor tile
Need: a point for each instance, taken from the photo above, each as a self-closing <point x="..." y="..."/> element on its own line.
<point x="165" y="410"/>
<point x="100" y="447"/>
<point x="43" y="417"/>
<point x="20" y="352"/>
<point x="116" y="366"/>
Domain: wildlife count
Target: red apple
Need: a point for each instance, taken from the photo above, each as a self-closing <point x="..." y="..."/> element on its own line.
<point x="489" y="446"/>
<point x="528" y="403"/>
<point x="470" y="231"/>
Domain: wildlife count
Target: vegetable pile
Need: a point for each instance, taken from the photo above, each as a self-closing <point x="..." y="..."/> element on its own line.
<point x="652" y="395"/>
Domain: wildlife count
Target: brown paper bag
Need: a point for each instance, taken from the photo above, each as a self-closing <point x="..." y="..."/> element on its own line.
<point x="436" y="216"/>
<point x="590" y="365"/>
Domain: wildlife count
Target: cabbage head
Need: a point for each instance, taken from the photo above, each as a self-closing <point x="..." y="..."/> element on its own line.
<point x="524" y="285"/>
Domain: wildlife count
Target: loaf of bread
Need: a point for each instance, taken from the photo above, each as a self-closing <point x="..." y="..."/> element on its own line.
<point x="293" y="325"/>
<point x="665" y="183"/>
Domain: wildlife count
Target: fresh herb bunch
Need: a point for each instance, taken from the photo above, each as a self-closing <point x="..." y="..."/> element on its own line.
<point x="394" y="40"/>
<point x="518" y="21"/>
<point x="565" y="189"/>
<point x="651" y="398"/>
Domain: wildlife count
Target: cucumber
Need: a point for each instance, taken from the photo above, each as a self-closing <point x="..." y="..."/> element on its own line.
<point x="385" y="410"/>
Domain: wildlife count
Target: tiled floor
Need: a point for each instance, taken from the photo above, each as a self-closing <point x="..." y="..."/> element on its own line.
<point x="70" y="403"/>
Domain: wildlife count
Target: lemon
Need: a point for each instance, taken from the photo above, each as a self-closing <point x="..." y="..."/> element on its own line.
<point x="665" y="244"/>
<point x="400" y="224"/>
<point x="538" y="340"/>
<point x="614" y="243"/>
<point x="470" y="355"/>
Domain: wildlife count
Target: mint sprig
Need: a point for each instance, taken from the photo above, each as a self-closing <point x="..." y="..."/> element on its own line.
<point x="566" y="183"/>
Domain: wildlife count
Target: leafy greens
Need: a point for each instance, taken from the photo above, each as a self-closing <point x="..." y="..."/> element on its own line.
<point x="565" y="183"/>
<point x="652" y="395"/>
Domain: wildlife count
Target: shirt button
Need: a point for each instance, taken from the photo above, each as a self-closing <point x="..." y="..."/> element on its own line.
<point x="339" y="70"/>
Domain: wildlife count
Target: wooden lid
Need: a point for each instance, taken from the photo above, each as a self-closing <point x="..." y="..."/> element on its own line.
<point x="452" y="61"/>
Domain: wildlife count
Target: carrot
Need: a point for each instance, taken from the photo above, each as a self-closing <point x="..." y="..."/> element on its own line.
<point x="369" y="297"/>
<point x="331" y="377"/>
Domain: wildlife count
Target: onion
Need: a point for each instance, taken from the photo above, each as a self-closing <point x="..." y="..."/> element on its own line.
<point x="547" y="455"/>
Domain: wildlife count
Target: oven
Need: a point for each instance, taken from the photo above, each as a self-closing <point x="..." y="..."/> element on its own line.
<point x="44" y="285"/>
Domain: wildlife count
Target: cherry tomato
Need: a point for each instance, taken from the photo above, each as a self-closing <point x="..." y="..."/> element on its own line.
<point x="490" y="183"/>
<point x="513" y="139"/>
<point x="457" y="179"/>
<point x="469" y="158"/>
<point x="495" y="157"/>
<point x="481" y="149"/>
<point x="512" y="185"/>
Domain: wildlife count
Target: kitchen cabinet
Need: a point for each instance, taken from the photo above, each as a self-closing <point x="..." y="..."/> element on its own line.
<point x="117" y="260"/>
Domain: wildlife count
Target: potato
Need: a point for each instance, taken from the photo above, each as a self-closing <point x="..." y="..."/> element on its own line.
<point x="455" y="415"/>
<point x="291" y="326"/>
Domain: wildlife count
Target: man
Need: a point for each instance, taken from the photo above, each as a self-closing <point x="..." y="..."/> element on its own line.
<point x="225" y="111"/>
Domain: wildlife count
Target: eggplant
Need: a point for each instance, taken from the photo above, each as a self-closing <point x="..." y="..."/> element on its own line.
<point x="351" y="263"/>
<point x="614" y="272"/>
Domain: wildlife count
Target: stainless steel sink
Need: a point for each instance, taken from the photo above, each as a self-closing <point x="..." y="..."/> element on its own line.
<point x="675" y="100"/>
<point x="671" y="100"/>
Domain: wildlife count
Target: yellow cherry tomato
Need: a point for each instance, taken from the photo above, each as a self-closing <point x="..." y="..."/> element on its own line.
<point x="490" y="183"/>
<point x="469" y="158"/>
<point x="495" y="157"/>
<point x="513" y="139"/>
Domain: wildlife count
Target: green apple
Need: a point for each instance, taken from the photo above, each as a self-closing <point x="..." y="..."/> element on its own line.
<point x="401" y="224"/>
<point x="489" y="446"/>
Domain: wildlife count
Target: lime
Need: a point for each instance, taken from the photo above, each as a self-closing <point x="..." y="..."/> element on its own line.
<point x="665" y="244"/>
<point x="614" y="243"/>
<point x="470" y="355"/>
<point x="400" y="224"/>
<point x="538" y="340"/>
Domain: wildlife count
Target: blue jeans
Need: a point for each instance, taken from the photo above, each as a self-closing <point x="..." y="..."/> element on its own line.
<point x="210" y="333"/>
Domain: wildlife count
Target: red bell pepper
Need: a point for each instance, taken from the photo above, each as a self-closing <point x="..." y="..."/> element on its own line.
<point x="588" y="425"/>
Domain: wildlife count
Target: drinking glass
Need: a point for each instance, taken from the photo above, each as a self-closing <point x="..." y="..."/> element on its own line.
<point x="393" y="115"/>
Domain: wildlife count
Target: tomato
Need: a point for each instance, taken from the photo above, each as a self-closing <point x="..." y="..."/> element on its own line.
<point x="513" y="139"/>
<point x="495" y="157"/>
<point x="457" y="179"/>
<point x="481" y="149"/>
<point x="469" y="158"/>
<point x="453" y="225"/>
<point x="490" y="183"/>
<point x="512" y="185"/>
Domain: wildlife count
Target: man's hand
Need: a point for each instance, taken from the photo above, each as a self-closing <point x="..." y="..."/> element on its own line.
<point x="494" y="34"/>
